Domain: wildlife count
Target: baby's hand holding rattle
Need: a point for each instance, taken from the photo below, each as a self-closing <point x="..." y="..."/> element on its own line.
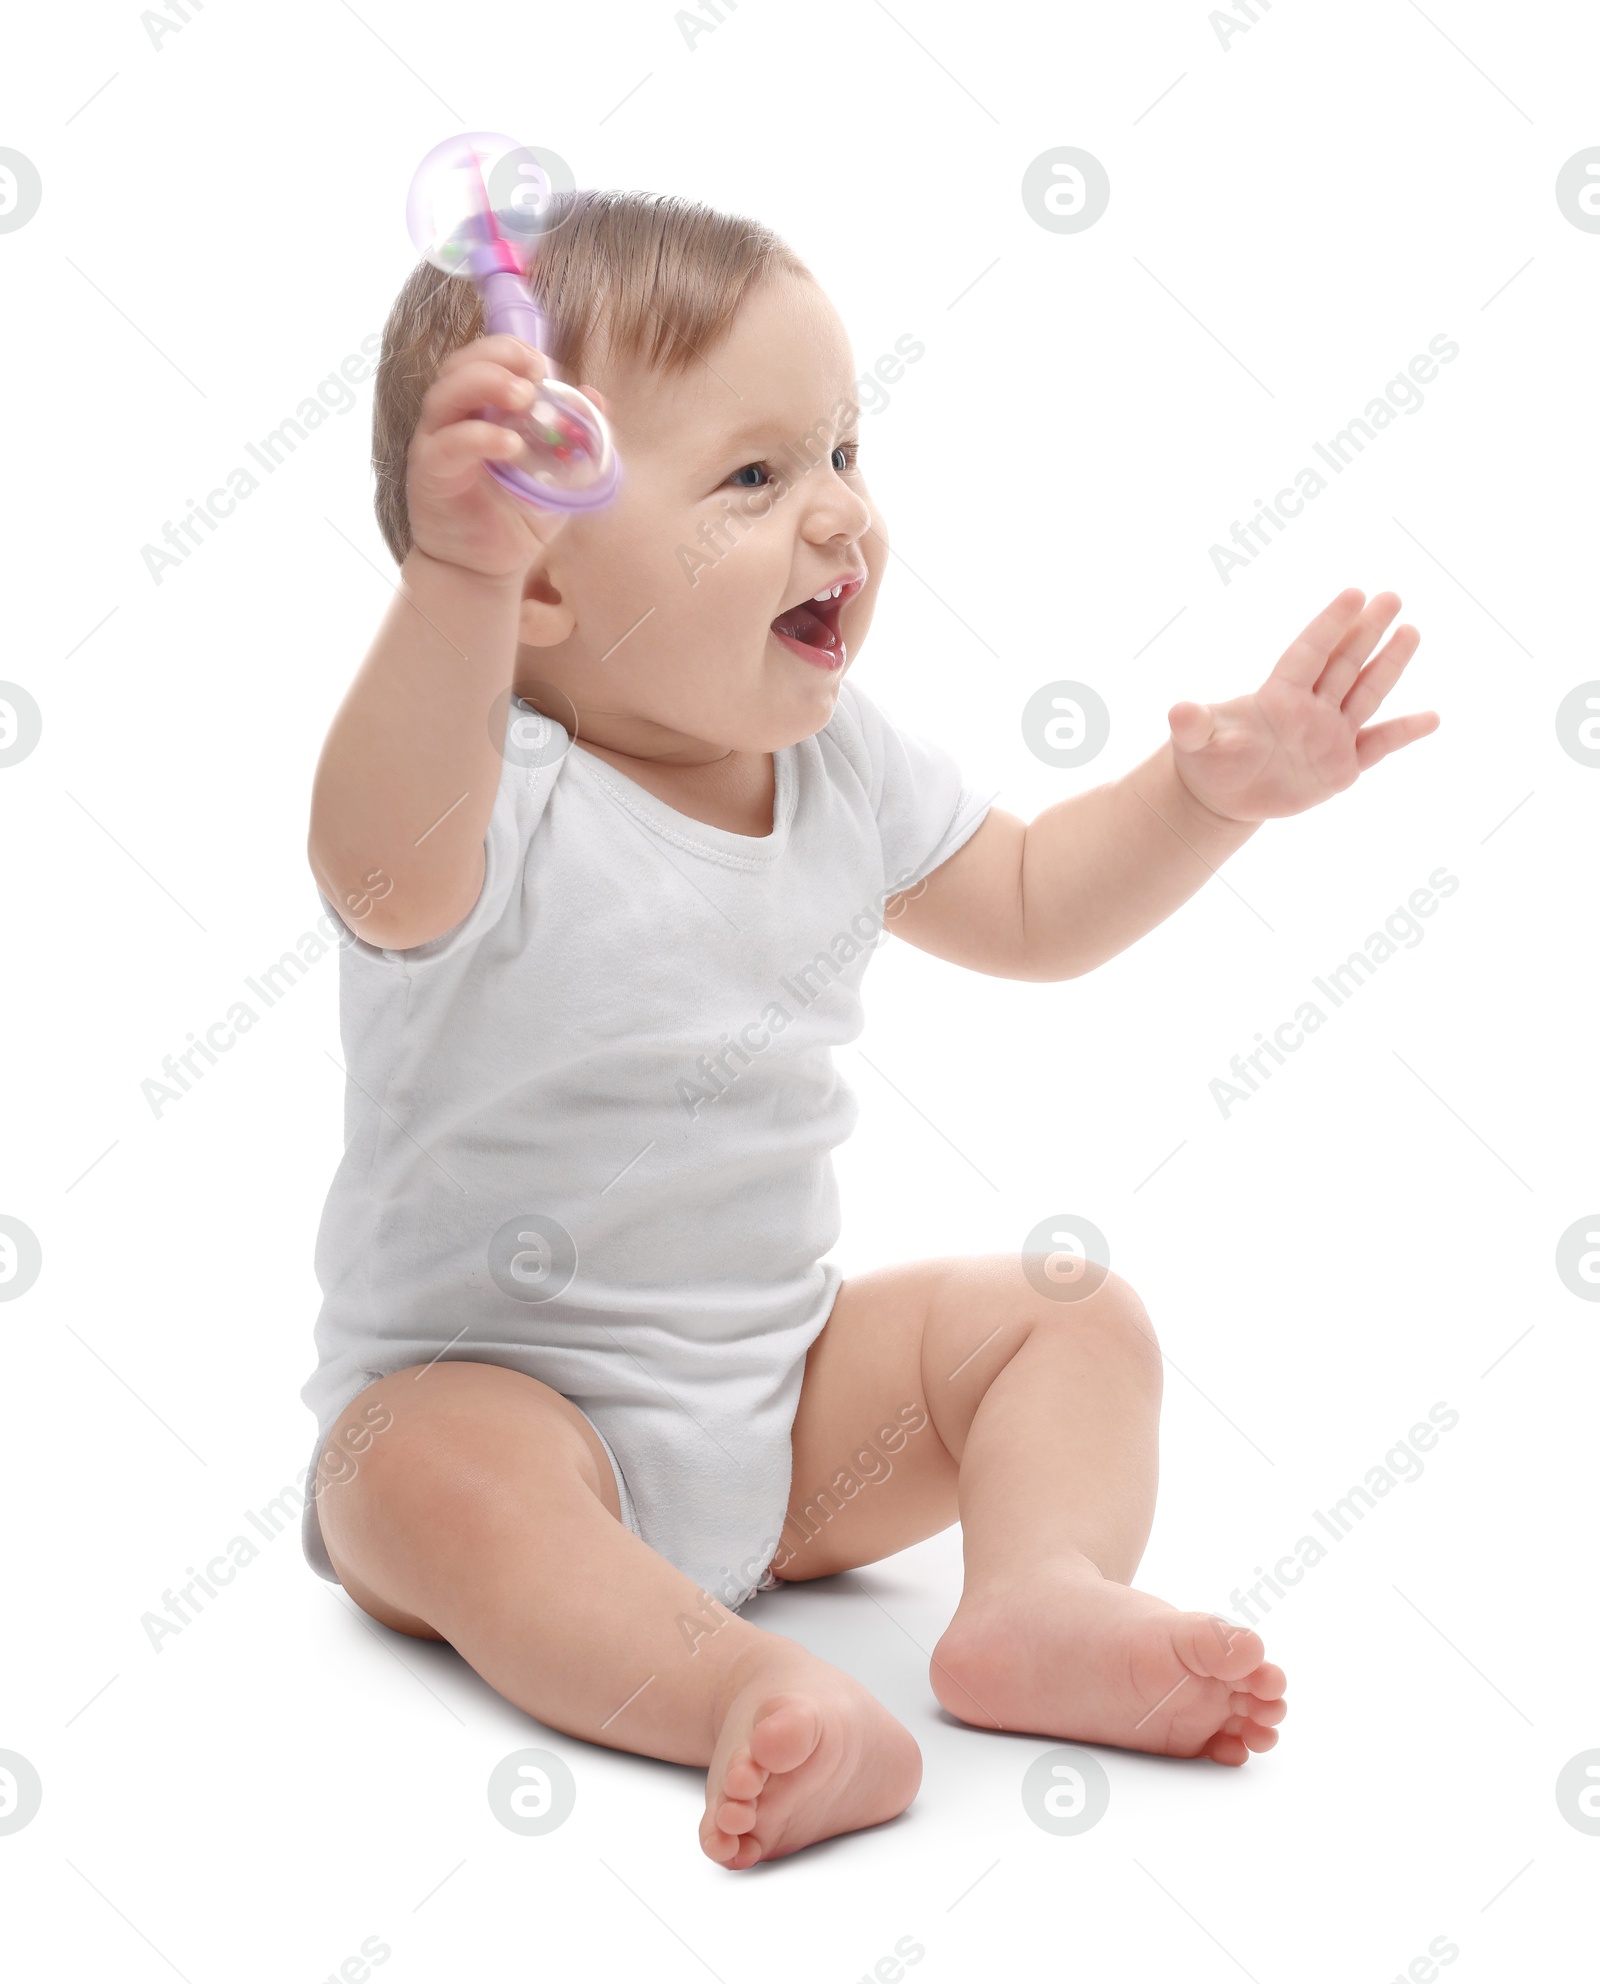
<point x="496" y="405"/>
<point x="457" y="513"/>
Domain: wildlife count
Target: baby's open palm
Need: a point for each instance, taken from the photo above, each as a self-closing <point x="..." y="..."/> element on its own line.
<point x="1304" y="735"/>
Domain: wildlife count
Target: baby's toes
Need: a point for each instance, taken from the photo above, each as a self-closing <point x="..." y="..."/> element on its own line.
<point x="1217" y="1649"/>
<point x="719" y="1845"/>
<point x="744" y="1778"/>
<point x="1251" y="1733"/>
<point x="1265" y="1712"/>
<point x="731" y="1811"/>
<point x="747" y="1853"/>
<point x="785" y="1736"/>
<point x="735" y="1815"/>
<point x="1268" y="1681"/>
<point x="1226" y="1748"/>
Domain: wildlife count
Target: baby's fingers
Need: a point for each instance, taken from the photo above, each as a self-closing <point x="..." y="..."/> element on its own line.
<point x="450" y="460"/>
<point x="1380" y="675"/>
<point x="1304" y="659"/>
<point x="465" y="390"/>
<point x="1379" y="739"/>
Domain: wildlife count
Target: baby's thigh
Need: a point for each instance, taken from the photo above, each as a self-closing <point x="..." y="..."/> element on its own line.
<point x="890" y="1391"/>
<point x="890" y="1387"/>
<point x="442" y="1462"/>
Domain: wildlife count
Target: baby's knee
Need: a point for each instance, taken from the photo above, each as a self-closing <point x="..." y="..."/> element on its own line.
<point x="1110" y="1307"/>
<point x="395" y="1457"/>
<point x="350" y="1439"/>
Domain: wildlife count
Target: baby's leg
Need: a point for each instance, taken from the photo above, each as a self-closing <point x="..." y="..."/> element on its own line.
<point x="1036" y="1426"/>
<point x="486" y="1514"/>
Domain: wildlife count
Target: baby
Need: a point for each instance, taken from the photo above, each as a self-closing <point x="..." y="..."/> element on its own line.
<point x="614" y="837"/>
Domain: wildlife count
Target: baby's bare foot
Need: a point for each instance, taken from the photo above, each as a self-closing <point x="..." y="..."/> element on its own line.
<point x="803" y="1753"/>
<point x="1078" y="1656"/>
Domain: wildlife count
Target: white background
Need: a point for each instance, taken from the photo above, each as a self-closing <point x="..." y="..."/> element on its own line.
<point x="1374" y="1232"/>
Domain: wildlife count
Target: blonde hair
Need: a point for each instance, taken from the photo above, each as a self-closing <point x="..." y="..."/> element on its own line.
<point x="618" y="277"/>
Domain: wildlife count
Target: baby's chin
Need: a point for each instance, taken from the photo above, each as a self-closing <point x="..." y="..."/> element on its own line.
<point x="770" y="729"/>
<point x="801" y="701"/>
<point x="764" y="705"/>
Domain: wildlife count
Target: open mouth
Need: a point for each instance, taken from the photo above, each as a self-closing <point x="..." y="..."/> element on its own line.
<point x="811" y="627"/>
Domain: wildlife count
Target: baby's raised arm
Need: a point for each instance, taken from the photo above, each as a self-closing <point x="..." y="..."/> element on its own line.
<point x="1091" y="874"/>
<point x="408" y="772"/>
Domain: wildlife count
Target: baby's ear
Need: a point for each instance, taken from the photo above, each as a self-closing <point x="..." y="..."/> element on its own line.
<point x="594" y="393"/>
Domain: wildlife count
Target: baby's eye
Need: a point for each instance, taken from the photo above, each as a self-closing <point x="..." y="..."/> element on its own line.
<point x="750" y="468"/>
<point x="849" y="450"/>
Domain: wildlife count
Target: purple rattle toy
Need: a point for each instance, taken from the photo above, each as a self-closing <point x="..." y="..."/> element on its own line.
<point x="477" y="207"/>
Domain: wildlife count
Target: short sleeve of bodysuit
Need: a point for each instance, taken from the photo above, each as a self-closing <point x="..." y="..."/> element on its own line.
<point x="923" y="805"/>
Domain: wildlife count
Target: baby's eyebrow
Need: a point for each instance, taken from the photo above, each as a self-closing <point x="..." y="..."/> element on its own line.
<point x="748" y="434"/>
<point x="766" y="431"/>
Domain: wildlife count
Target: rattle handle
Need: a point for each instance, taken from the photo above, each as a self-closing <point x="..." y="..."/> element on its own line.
<point x="507" y="306"/>
<point x="507" y="301"/>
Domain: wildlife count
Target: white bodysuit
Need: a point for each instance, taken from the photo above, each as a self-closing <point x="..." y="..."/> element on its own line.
<point x="588" y="1131"/>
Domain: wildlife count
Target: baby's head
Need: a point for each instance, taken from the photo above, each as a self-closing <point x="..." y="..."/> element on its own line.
<point x="728" y="381"/>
